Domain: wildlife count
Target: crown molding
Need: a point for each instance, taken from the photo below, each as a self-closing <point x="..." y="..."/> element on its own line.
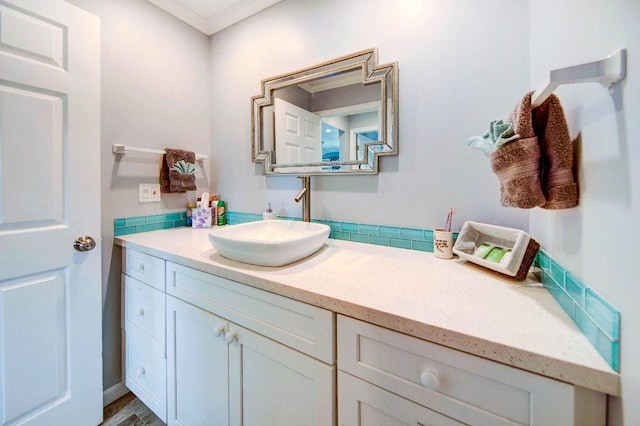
<point x="210" y="25"/>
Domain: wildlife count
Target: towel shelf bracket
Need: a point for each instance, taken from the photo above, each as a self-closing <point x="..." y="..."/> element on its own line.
<point x="607" y="71"/>
<point x="120" y="149"/>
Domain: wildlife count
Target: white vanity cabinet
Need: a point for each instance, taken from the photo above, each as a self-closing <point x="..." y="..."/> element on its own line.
<point x="205" y="350"/>
<point x="242" y="356"/>
<point x="389" y="378"/>
<point x="144" y="329"/>
<point x="221" y="373"/>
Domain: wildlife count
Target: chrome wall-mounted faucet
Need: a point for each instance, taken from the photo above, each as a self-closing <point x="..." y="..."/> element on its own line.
<point x="305" y="196"/>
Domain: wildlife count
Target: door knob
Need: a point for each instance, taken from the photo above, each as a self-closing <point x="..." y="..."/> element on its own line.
<point x="85" y="243"/>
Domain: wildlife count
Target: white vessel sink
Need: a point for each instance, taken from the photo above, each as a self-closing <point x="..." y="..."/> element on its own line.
<point x="269" y="242"/>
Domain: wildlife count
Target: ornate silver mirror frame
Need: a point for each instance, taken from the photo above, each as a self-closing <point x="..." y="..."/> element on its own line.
<point x="337" y="117"/>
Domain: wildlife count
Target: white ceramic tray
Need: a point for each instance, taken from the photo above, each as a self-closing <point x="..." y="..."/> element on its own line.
<point x="474" y="235"/>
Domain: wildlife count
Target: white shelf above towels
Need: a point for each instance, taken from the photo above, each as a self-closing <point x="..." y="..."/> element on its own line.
<point x="607" y="71"/>
<point x="123" y="149"/>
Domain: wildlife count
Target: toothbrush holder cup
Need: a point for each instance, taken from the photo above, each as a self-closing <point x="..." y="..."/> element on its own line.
<point x="442" y="244"/>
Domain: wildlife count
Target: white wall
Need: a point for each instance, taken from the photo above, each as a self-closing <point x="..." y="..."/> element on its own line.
<point x="461" y="65"/>
<point x="598" y="240"/>
<point x="154" y="94"/>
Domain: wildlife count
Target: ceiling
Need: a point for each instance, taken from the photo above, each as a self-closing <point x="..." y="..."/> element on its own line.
<point x="211" y="16"/>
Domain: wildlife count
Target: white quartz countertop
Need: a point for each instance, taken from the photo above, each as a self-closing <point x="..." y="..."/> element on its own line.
<point x="449" y="302"/>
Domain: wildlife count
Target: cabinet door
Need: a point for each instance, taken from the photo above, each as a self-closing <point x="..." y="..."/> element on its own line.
<point x="363" y="404"/>
<point x="197" y="365"/>
<point x="271" y="384"/>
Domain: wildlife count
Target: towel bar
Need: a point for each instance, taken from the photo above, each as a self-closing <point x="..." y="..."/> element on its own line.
<point x="607" y="71"/>
<point x="123" y="149"/>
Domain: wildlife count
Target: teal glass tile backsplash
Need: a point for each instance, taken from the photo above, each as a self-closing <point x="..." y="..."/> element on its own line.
<point x="156" y="218"/>
<point x="369" y="229"/>
<point x="349" y="227"/>
<point x="412" y="234"/>
<point x="598" y="320"/>
<point x="594" y="316"/>
<point x="400" y="243"/>
<point x="603" y="313"/>
<point x="391" y="236"/>
<point x="134" y="221"/>
<point x="389" y="231"/>
<point x="575" y="288"/>
<point x="358" y="238"/>
<point x="135" y="225"/>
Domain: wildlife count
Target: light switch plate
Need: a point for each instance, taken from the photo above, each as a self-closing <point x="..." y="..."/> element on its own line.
<point x="148" y="192"/>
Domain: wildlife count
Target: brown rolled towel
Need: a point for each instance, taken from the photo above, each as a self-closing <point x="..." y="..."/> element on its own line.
<point x="172" y="181"/>
<point x="517" y="164"/>
<point x="558" y="183"/>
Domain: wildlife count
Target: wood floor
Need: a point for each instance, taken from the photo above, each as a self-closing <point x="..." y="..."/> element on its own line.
<point x="129" y="411"/>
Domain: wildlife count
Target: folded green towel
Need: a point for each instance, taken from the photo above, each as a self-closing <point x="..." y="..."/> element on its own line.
<point x="184" y="167"/>
<point x="498" y="135"/>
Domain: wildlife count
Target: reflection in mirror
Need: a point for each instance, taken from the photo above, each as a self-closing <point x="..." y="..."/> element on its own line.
<point x="336" y="117"/>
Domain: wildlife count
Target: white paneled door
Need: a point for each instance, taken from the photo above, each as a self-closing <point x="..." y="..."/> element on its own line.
<point x="50" y="292"/>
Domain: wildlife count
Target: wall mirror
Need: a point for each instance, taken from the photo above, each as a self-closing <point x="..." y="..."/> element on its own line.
<point x="337" y="117"/>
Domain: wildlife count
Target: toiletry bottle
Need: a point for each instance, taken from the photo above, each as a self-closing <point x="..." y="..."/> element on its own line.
<point x="189" y="214"/>
<point x="268" y="213"/>
<point x="222" y="217"/>
<point x="213" y="203"/>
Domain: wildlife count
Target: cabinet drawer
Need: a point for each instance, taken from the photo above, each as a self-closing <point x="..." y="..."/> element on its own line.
<point x="144" y="307"/>
<point x="298" y="325"/>
<point x="143" y="267"/>
<point x="363" y="404"/>
<point x="145" y="368"/>
<point x="468" y="388"/>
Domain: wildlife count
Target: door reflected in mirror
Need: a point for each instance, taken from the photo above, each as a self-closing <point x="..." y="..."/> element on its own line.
<point x="336" y="117"/>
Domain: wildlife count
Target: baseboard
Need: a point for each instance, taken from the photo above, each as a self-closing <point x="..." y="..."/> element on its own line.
<point x="113" y="393"/>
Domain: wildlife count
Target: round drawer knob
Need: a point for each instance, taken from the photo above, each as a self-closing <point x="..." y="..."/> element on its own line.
<point x="141" y="312"/>
<point x="219" y="331"/>
<point x="230" y="337"/>
<point x="140" y="267"/>
<point x="430" y="380"/>
<point x="141" y="371"/>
